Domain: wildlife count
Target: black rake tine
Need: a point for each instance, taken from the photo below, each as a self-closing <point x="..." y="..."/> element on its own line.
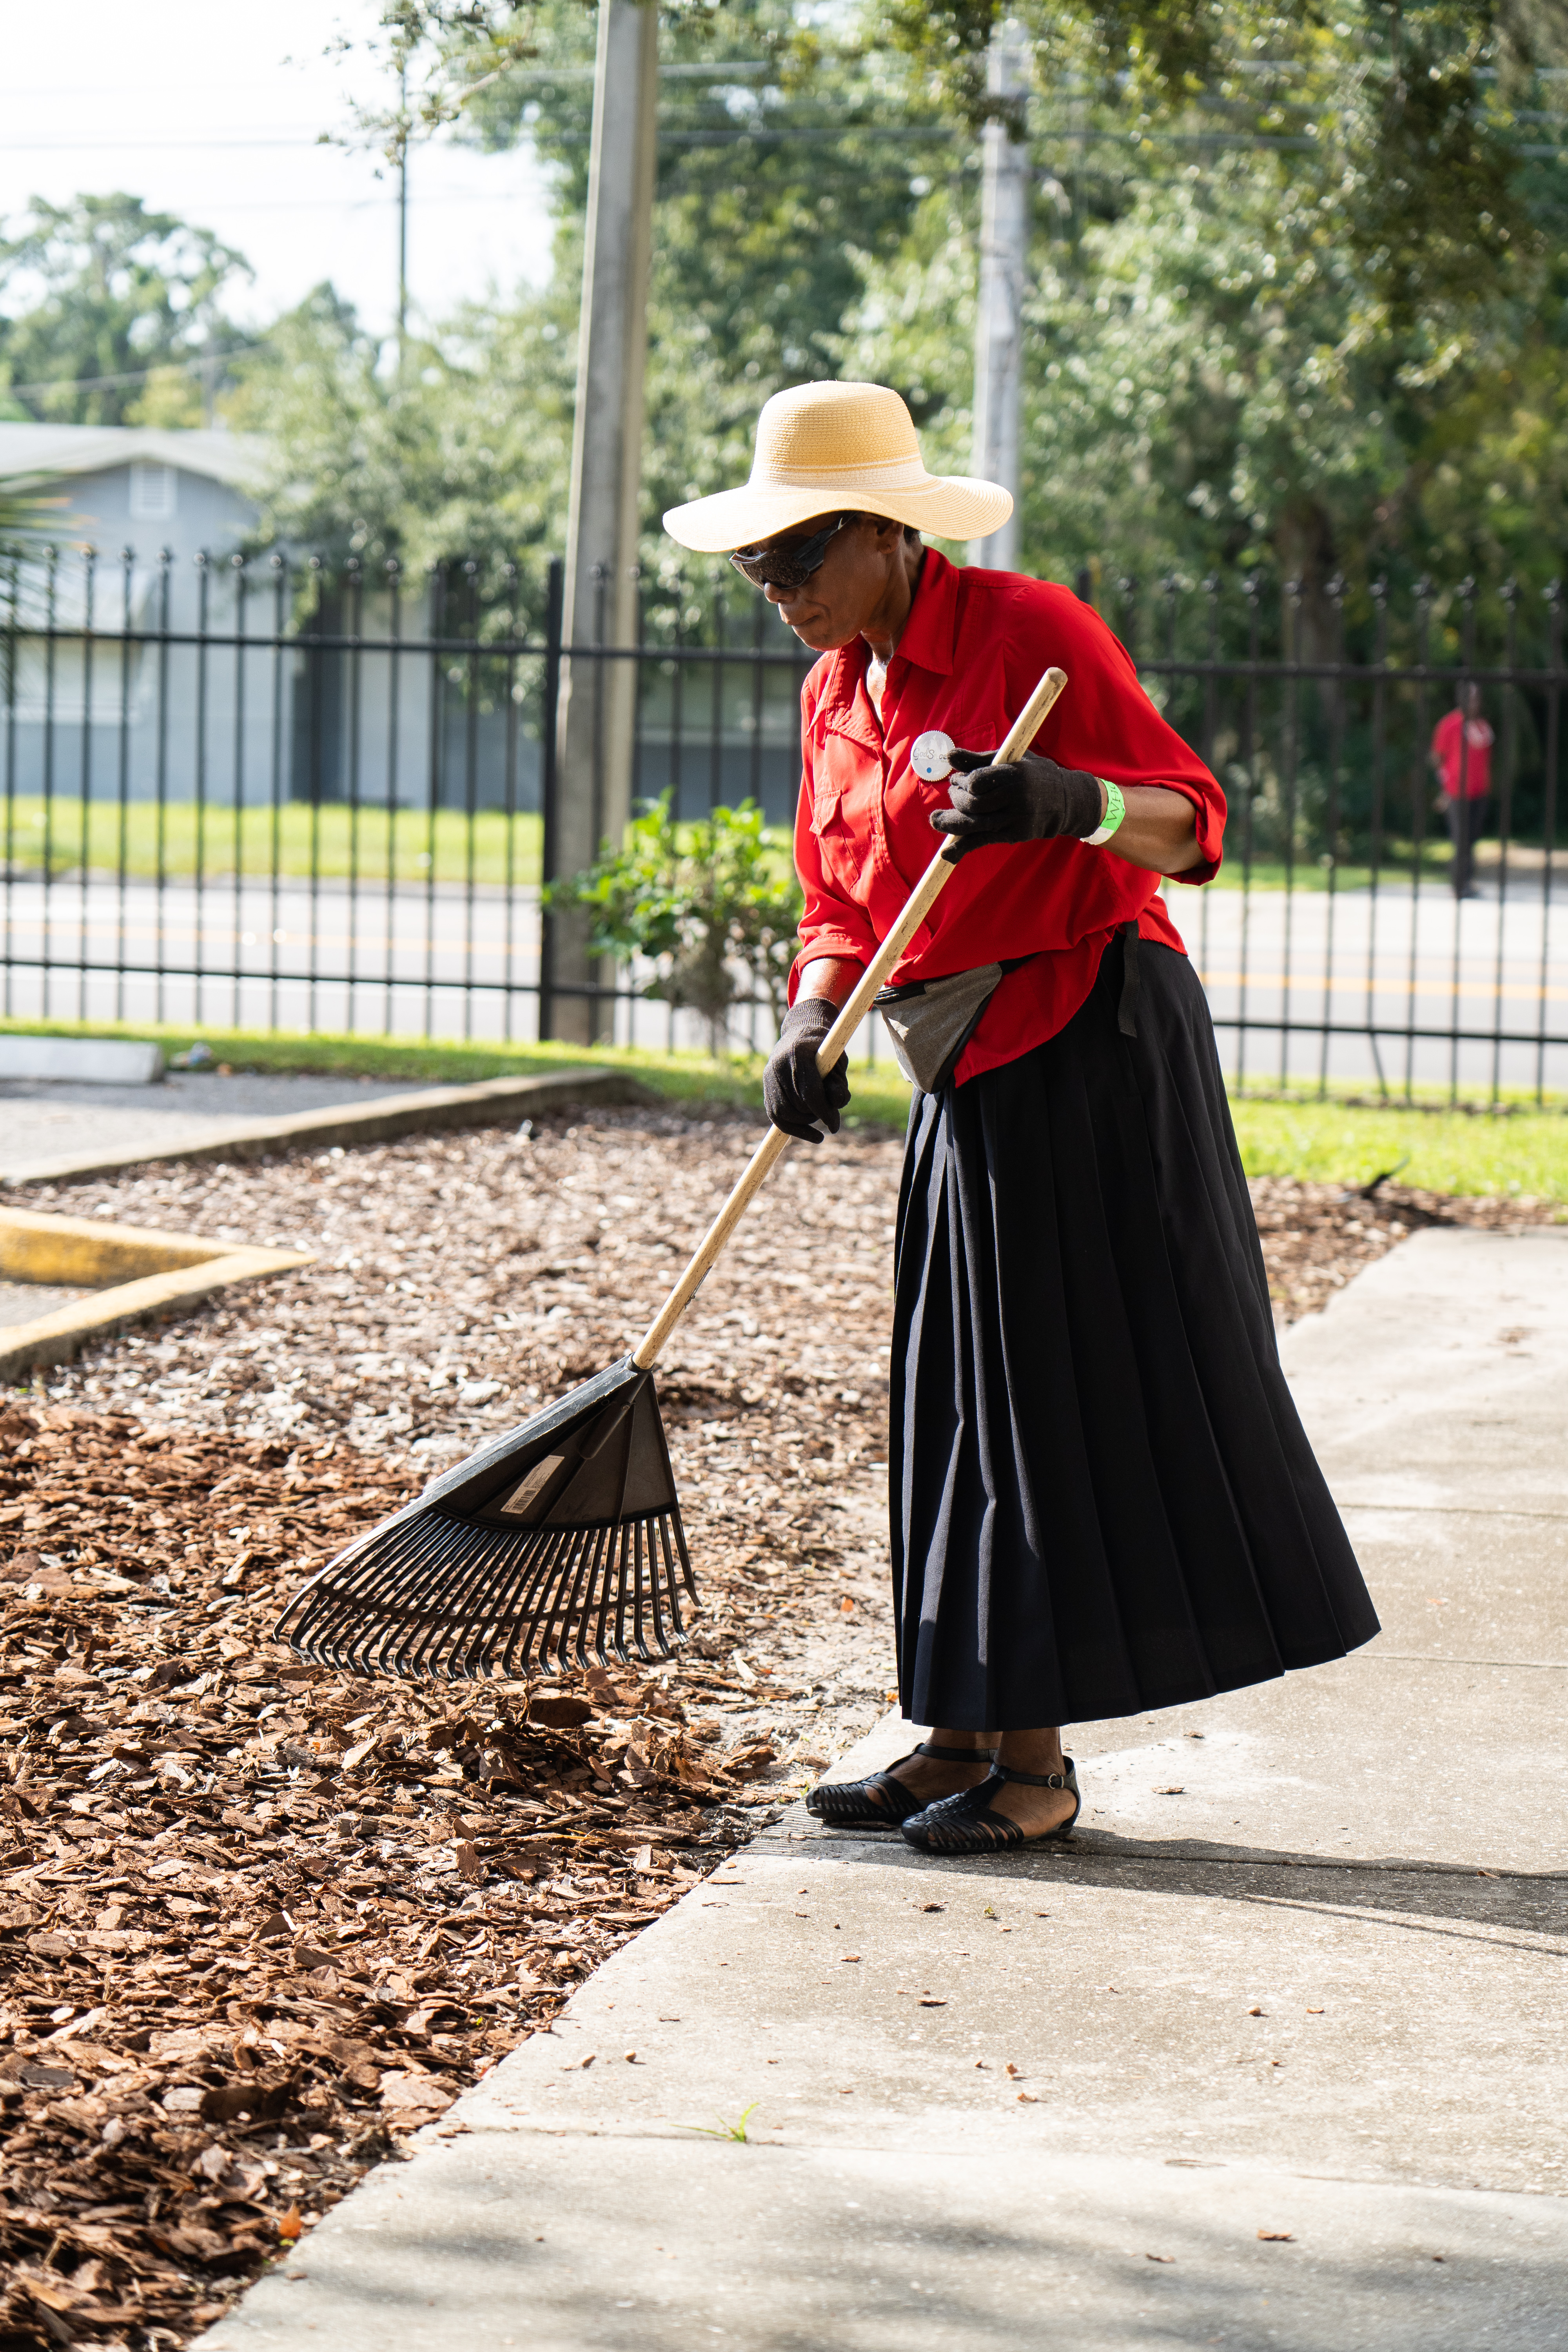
<point x="568" y="1602"/>
<point x="686" y="1578"/>
<point x="552" y="1542"/>
<point x="401" y="1647"/>
<point x="626" y="1585"/>
<point x="639" y="1633"/>
<point x="504" y="1549"/>
<point x="471" y="1644"/>
<point x="445" y="1543"/>
<point x="345" y="1602"/>
<point x="363" y="1574"/>
<point x="563" y="1565"/>
<point x="563" y="1568"/>
<point x="667" y="1562"/>
<point x="585" y="1617"/>
<point x="606" y="1588"/>
<point x="517" y="1575"/>
<point x="469" y="1622"/>
<point x="655" y="1589"/>
<point x="621" y="1653"/>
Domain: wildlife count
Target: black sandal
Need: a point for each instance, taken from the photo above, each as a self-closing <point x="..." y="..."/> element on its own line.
<point x="967" y="1825"/>
<point x="848" y="1805"/>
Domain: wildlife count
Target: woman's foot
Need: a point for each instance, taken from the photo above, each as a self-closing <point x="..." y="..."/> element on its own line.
<point x="927" y="1776"/>
<point x="1037" y="1810"/>
<point x="971" y="1822"/>
<point x="938" y="1768"/>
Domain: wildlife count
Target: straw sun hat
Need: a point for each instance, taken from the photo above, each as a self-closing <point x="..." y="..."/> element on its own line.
<point x="822" y="447"/>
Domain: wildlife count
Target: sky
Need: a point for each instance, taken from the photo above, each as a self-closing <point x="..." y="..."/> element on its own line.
<point x="213" y="110"/>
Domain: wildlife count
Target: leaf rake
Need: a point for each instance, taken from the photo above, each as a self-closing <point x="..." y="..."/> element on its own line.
<point x="561" y="1542"/>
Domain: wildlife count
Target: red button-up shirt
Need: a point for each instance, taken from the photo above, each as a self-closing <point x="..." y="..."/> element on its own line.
<point x="972" y="652"/>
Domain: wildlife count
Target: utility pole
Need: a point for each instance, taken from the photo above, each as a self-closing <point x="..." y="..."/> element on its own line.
<point x="998" y="322"/>
<point x="598" y="698"/>
<point x="402" y="218"/>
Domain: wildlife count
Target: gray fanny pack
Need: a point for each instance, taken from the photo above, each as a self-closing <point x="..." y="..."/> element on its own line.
<point x="931" y="1020"/>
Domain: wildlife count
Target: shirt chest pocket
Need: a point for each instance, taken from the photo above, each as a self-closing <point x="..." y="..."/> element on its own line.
<point x="842" y="837"/>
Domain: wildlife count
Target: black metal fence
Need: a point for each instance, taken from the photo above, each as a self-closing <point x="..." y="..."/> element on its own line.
<point x="257" y="794"/>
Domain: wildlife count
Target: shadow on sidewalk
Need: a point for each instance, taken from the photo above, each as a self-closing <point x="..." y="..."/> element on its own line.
<point x="1469" y="1893"/>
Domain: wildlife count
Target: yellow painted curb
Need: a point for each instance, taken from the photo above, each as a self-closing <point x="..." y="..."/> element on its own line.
<point x="134" y="1272"/>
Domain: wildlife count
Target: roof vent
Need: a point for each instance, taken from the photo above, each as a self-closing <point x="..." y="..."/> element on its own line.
<point x="152" y="493"/>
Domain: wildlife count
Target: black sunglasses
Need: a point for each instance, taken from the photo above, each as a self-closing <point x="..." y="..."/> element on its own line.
<point x="791" y="566"/>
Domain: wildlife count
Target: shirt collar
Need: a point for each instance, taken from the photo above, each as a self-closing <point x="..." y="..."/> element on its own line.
<point x="928" y="634"/>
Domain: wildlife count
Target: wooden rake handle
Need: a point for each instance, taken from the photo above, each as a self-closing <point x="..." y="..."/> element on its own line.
<point x="918" y="906"/>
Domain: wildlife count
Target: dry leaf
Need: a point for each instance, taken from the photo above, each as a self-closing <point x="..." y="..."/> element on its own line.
<point x="560" y="1713"/>
<point x="1278" y="2237"/>
<point x="290" y="2225"/>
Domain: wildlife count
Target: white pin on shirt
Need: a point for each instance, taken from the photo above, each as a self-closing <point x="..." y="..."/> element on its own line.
<point x="930" y="756"/>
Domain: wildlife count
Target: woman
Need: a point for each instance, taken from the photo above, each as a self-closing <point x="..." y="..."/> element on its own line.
<point x="1103" y="1499"/>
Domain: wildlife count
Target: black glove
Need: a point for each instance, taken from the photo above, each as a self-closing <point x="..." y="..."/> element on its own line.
<point x="1030" y="799"/>
<point x="796" y="1094"/>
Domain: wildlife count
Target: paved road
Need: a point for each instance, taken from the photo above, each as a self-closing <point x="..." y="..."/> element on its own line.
<point x="416" y="960"/>
<point x="1403" y="962"/>
<point x="1270" y="2056"/>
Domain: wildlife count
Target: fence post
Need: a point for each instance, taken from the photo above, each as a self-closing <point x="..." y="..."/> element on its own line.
<point x="550" y="788"/>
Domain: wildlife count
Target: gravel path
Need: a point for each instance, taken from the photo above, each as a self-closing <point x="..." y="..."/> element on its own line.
<point x="261" y="1920"/>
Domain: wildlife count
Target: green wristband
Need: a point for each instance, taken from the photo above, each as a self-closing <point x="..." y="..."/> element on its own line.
<point x="1115" y="810"/>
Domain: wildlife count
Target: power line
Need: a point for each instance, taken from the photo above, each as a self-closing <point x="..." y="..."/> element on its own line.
<point x="133" y="375"/>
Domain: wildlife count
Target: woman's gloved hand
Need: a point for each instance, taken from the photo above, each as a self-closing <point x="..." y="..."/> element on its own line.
<point x="1029" y="798"/>
<point x="796" y="1094"/>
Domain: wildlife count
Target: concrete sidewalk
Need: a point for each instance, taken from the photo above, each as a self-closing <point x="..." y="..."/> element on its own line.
<point x="65" y="1134"/>
<point x="1271" y="2056"/>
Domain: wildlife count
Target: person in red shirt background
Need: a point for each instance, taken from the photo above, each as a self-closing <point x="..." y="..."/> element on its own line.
<point x="1461" y="752"/>
<point x="1102" y="1500"/>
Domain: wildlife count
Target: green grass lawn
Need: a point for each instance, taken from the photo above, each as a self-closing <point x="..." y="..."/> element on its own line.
<point x="332" y="841"/>
<point x="1519" y="1150"/>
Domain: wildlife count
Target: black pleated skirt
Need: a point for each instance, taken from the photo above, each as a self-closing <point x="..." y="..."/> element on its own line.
<point x="1103" y="1500"/>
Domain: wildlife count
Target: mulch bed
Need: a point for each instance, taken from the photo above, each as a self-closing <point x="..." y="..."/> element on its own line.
<point x="262" y="1921"/>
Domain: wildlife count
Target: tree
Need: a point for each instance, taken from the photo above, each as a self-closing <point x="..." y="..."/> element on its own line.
<point x="105" y="306"/>
<point x="1298" y="292"/>
<point x="1300" y="296"/>
<point x="462" y="452"/>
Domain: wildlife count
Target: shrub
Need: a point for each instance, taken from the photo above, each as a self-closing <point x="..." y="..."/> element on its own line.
<point x="710" y="904"/>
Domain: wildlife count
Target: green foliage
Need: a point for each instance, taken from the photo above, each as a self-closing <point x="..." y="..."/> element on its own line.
<point x="466" y="451"/>
<point x="1298" y="293"/>
<point x="1313" y="316"/>
<point x="720" y="2129"/>
<point x="785" y="174"/>
<point x="103" y="288"/>
<point x="705" y="902"/>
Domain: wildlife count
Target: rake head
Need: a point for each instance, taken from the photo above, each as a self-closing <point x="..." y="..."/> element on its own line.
<point x="555" y="1545"/>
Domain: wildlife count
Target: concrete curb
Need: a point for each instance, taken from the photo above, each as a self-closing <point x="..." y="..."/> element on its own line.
<point x="487" y="1102"/>
<point x="159" y="1275"/>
